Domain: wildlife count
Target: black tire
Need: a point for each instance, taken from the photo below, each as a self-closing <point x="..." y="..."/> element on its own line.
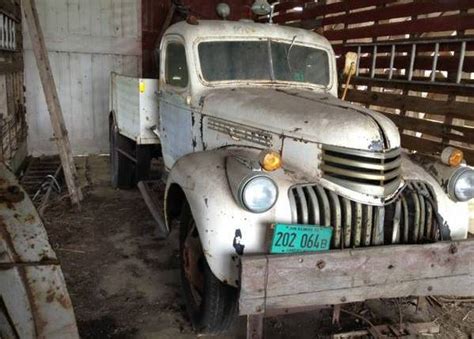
<point x="121" y="168"/>
<point x="216" y="310"/>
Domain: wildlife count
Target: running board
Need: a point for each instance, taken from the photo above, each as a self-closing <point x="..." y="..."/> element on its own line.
<point x="152" y="191"/>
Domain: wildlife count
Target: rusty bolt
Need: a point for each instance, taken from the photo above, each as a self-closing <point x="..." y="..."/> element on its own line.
<point x="321" y="264"/>
<point x="453" y="249"/>
<point x="430" y="288"/>
<point x="258" y="309"/>
<point x="343" y="299"/>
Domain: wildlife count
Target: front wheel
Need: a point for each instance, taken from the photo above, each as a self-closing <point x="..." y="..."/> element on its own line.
<point x="211" y="304"/>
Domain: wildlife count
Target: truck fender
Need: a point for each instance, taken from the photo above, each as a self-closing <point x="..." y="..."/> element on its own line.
<point x="226" y="230"/>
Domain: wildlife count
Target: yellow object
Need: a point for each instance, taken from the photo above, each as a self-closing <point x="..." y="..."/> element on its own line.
<point x="270" y="160"/>
<point x="456" y="158"/>
<point x="141" y="87"/>
<point x="452" y="156"/>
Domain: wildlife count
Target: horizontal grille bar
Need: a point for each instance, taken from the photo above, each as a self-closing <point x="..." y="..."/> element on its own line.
<point x="376" y="173"/>
<point x="410" y="218"/>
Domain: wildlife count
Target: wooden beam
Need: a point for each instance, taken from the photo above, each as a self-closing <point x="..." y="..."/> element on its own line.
<point x="351" y="275"/>
<point x="461" y="110"/>
<point x="422" y="86"/>
<point x="54" y="107"/>
<point x="255" y="326"/>
<point x="438" y="24"/>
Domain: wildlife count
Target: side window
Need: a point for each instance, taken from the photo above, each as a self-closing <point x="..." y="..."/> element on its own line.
<point x="176" y="71"/>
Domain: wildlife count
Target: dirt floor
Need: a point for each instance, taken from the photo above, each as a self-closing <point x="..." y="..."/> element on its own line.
<point x="124" y="283"/>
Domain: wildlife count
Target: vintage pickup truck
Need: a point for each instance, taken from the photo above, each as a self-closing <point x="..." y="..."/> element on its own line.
<point x="264" y="160"/>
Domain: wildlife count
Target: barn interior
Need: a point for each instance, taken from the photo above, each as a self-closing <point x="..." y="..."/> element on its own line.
<point x="119" y="276"/>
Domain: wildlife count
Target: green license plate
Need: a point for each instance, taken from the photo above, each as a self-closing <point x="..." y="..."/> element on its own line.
<point x="300" y="238"/>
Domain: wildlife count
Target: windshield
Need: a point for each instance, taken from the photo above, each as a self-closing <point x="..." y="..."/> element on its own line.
<point x="263" y="60"/>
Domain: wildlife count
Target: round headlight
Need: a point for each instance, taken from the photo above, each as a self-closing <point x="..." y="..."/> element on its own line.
<point x="259" y="194"/>
<point x="462" y="186"/>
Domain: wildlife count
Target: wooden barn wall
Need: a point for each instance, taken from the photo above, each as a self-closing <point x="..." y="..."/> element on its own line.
<point x="154" y="15"/>
<point x="430" y="116"/>
<point x="86" y="41"/>
<point x="12" y="106"/>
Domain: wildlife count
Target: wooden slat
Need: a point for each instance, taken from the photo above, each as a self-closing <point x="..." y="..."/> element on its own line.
<point x="436" y="129"/>
<point x="417" y="87"/>
<point x="445" y="63"/>
<point x="398" y="11"/>
<point x="341" y="276"/>
<point x="340" y="49"/>
<point x="313" y="9"/>
<point x="461" y="110"/>
<point x="438" y="24"/>
<point x="429" y="146"/>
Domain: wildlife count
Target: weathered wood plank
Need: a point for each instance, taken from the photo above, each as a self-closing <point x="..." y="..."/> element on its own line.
<point x="255" y="326"/>
<point x="398" y="11"/>
<point x="340" y="276"/>
<point x="461" y="110"/>
<point x="445" y="63"/>
<point x="52" y="100"/>
<point x="453" y="285"/>
<point x="428" y="47"/>
<point x="313" y="9"/>
<point x="429" y="146"/>
<point x="415" y="86"/>
<point x="437" y="129"/>
<point x="437" y="24"/>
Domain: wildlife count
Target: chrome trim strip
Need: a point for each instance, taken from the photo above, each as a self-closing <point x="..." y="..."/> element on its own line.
<point x="336" y="218"/>
<point x="303" y="204"/>
<point x="361" y="153"/>
<point x="328" y="170"/>
<point x="313" y="199"/>
<point x="361" y="164"/>
<point x="357" y="224"/>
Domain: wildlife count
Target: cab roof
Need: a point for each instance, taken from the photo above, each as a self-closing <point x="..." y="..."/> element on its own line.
<point x="221" y="29"/>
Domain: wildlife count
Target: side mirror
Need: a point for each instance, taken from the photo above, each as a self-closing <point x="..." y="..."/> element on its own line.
<point x="350" y="65"/>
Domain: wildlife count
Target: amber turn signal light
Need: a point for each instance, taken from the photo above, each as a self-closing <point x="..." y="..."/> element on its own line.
<point x="270" y="160"/>
<point x="452" y="156"/>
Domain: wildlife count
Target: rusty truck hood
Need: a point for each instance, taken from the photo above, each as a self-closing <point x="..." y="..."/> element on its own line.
<point x="304" y="115"/>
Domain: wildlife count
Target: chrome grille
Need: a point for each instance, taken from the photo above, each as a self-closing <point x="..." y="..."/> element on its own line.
<point x="410" y="218"/>
<point x="375" y="173"/>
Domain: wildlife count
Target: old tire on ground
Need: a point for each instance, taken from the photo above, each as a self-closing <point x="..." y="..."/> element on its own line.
<point x="121" y="168"/>
<point x="211" y="304"/>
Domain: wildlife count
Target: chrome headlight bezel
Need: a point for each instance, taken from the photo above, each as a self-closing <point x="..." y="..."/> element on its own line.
<point x="454" y="182"/>
<point x="252" y="180"/>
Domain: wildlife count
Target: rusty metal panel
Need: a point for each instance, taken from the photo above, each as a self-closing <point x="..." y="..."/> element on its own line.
<point x="33" y="292"/>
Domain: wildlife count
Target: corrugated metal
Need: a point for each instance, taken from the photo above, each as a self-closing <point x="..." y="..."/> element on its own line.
<point x="86" y="40"/>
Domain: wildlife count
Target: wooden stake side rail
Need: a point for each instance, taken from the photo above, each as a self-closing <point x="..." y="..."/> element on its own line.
<point x="274" y="282"/>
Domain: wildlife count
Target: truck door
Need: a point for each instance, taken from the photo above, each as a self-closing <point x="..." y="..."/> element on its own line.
<point x="175" y="114"/>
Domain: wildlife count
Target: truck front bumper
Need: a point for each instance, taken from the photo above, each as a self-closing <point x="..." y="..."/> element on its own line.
<point x="284" y="282"/>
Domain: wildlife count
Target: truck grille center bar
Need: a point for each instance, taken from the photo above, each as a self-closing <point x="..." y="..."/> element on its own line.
<point x="409" y="219"/>
<point x="368" y="172"/>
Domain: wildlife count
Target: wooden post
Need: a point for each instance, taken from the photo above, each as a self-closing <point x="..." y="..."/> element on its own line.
<point x="255" y="326"/>
<point x="54" y="107"/>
